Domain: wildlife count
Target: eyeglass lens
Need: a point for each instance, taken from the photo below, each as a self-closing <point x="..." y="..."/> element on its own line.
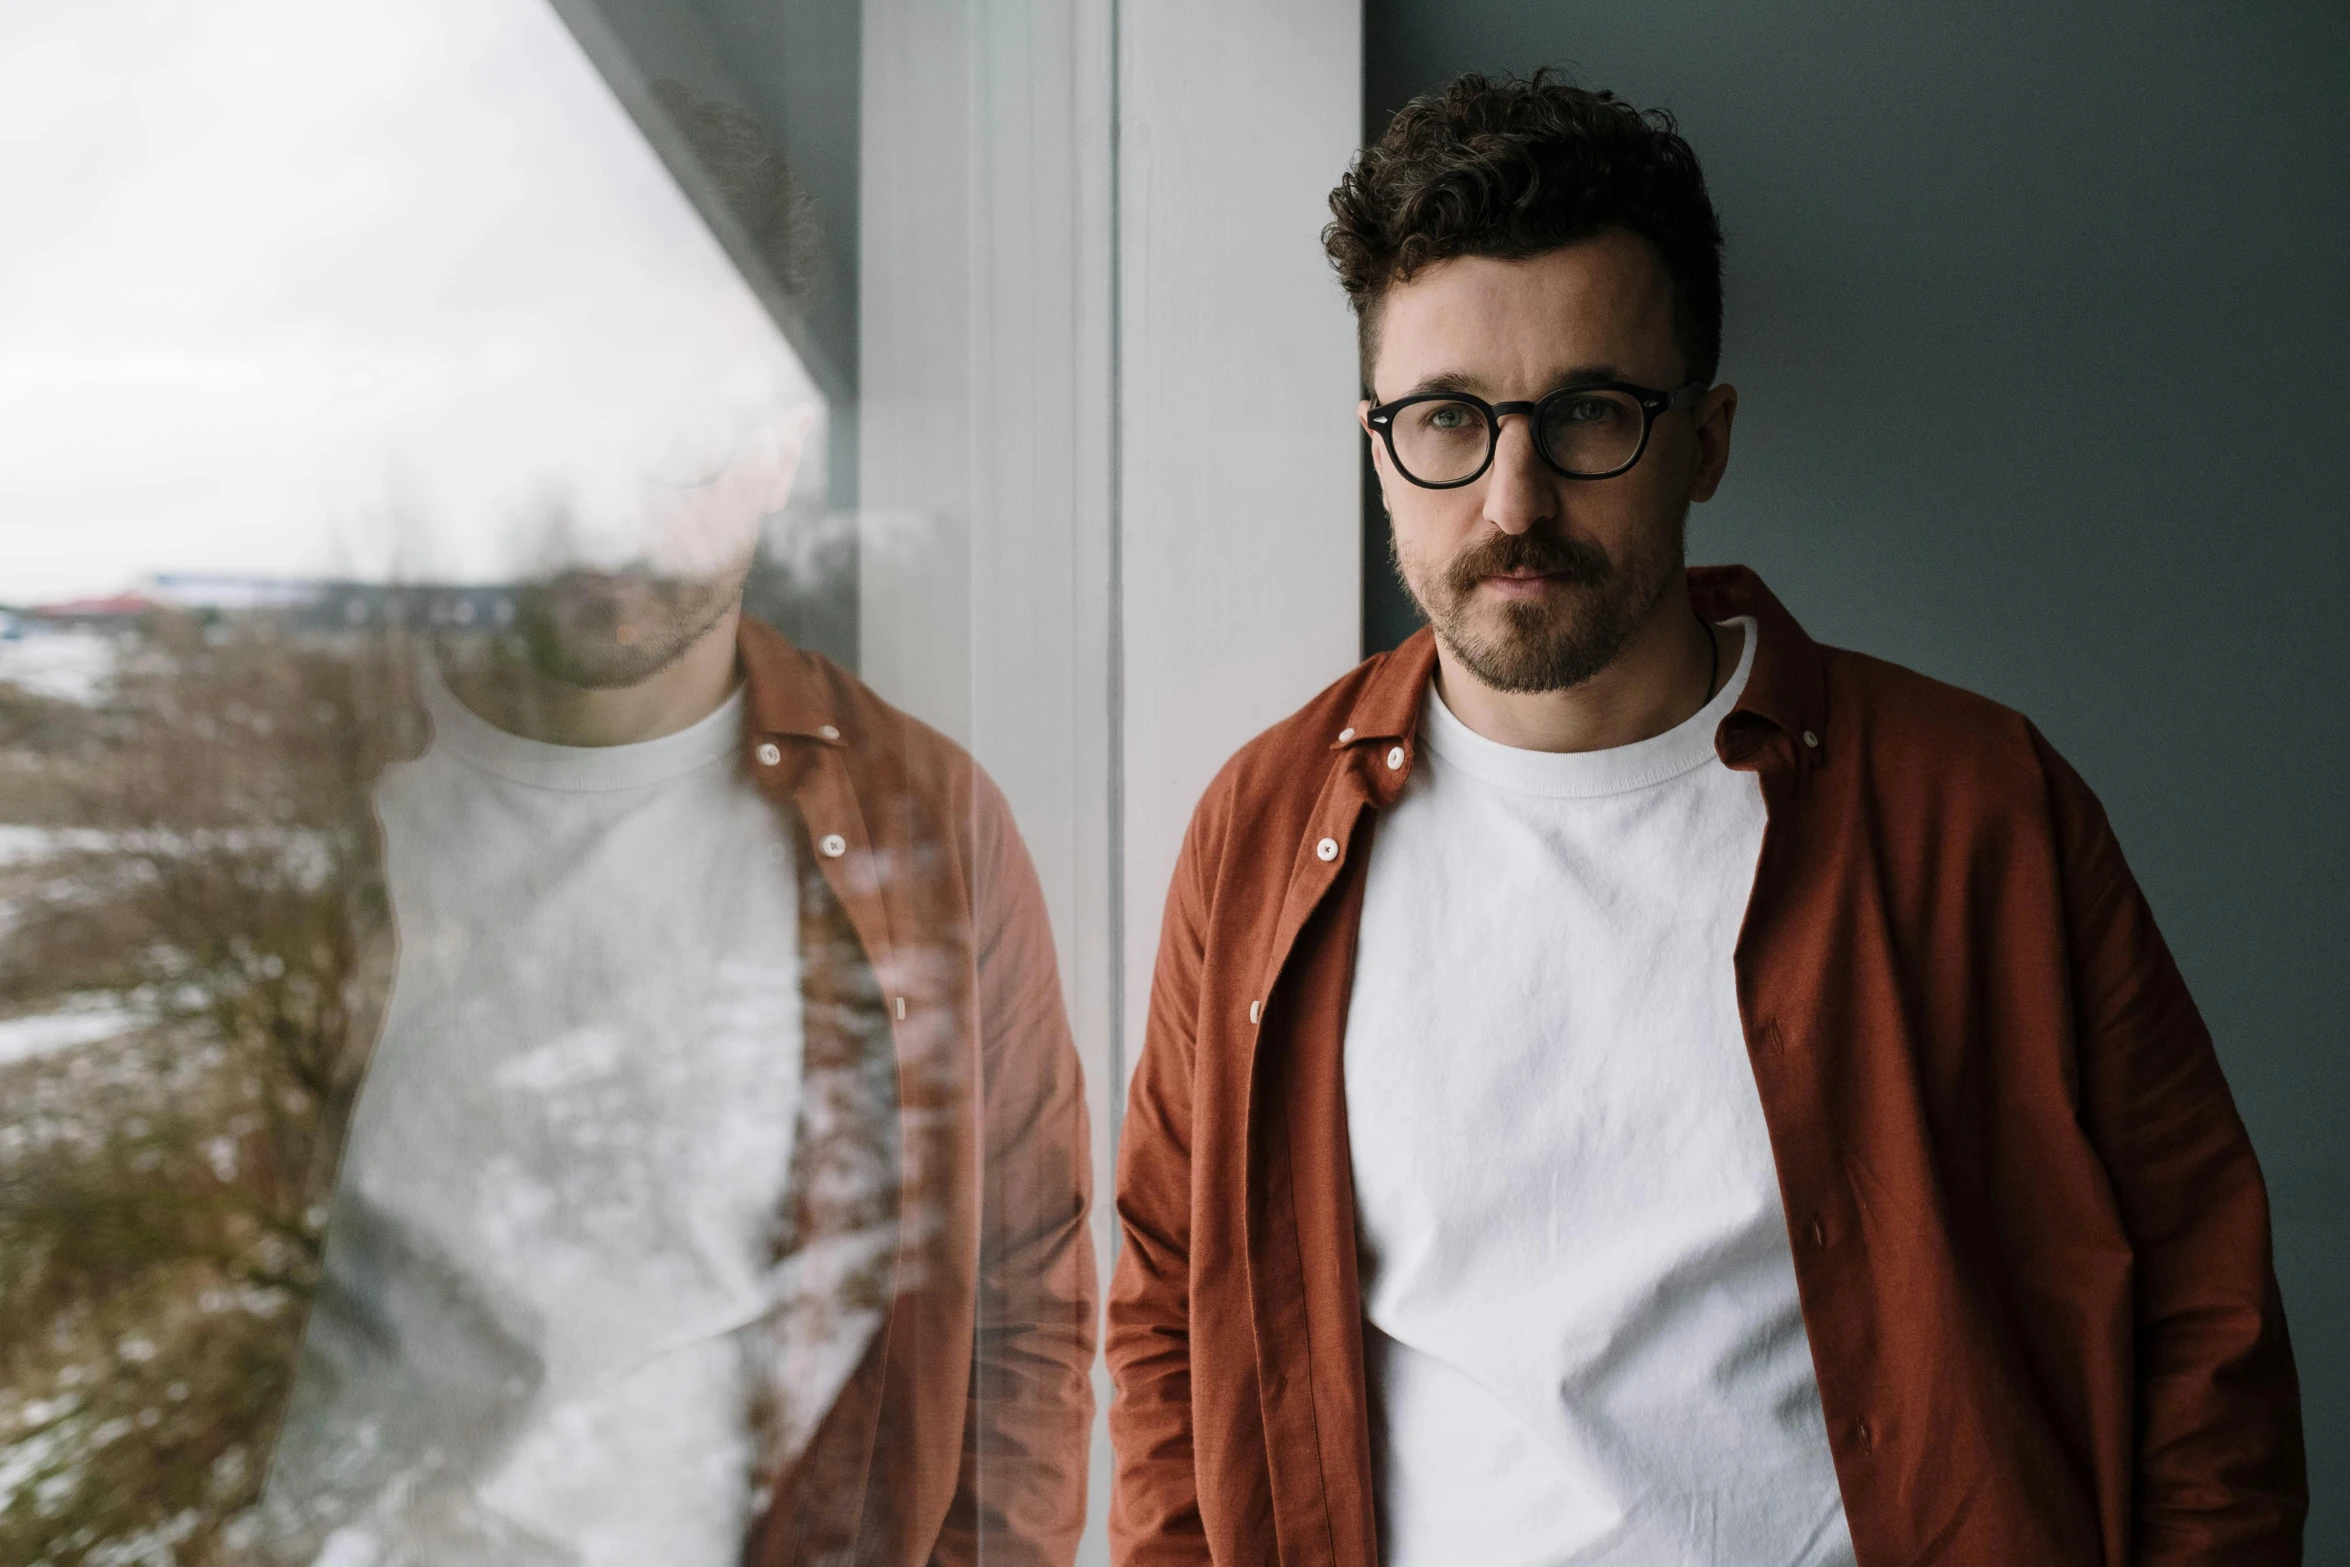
<point x="1445" y="441"/>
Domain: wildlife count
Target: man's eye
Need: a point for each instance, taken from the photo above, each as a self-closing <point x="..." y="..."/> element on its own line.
<point x="1589" y="410"/>
<point x="1448" y="416"/>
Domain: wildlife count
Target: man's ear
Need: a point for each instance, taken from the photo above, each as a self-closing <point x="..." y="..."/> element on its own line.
<point x="1712" y="418"/>
<point x="1379" y="467"/>
<point x="780" y="446"/>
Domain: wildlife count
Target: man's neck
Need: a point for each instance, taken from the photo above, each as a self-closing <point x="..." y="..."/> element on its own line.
<point x="519" y="698"/>
<point x="1659" y="679"/>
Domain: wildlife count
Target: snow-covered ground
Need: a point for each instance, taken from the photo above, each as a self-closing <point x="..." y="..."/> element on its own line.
<point x="84" y="1020"/>
<point x="306" y="853"/>
<point x="21" y="845"/>
<point x="97" y="1016"/>
<point x="72" y="666"/>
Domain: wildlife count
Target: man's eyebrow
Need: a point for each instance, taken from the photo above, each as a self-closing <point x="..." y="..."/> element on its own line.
<point x="1460" y="381"/>
<point x="1443" y="381"/>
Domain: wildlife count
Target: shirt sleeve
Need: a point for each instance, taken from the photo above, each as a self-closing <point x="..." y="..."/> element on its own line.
<point x="1020" y="1495"/>
<point x="1154" y="1500"/>
<point x="2220" y="1469"/>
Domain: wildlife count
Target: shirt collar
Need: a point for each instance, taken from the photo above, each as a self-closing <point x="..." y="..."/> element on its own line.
<point x="787" y="691"/>
<point x="1787" y="688"/>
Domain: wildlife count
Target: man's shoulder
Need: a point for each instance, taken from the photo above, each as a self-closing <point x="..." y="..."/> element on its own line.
<point x="1869" y="709"/>
<point x="1924" y="739"/>
<point x="800" y="693"/>
<point x="1280" y="772"/>
<point x="1881" y="693"/>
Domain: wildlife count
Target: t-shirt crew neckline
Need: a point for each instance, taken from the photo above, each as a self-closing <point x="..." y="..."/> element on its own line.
<point x="460" y="732"/>
<point x="1620" y="769"/>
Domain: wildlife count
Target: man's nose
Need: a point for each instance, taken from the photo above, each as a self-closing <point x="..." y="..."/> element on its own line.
<point x="1519" y="492"/>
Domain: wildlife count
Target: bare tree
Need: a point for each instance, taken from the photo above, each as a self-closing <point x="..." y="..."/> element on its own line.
<point x="217" y="883"/>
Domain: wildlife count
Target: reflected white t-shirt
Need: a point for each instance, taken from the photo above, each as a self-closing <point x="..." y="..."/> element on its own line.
<point x="1582" y="1332"/>
<point x="566" y="1166"/>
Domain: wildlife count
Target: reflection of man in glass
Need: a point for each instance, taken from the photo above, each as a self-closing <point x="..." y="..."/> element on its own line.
<point x="717" y="1185"/>
<point x="1626" y="1083"/>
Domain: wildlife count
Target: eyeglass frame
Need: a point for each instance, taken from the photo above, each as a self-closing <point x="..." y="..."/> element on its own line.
<point x="1653" y="406"/>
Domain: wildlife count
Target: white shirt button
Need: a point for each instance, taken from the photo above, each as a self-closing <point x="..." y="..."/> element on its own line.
<point x="1395" y="757"/>
<point x="1255" y="1008"/>
<point x="1327" y="849"/>
<point x="828" y="732"/>
<point x="833" y="846"/>
<point x="1811" y="739"/>
<point x="769" y="753"/>
<point x="1344" y="735"/>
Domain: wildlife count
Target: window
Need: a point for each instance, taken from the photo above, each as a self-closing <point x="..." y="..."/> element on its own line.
<point x="486" y="1078"/>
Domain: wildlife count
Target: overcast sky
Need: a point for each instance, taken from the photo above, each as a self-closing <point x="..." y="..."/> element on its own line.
<point x="304" y="286"/>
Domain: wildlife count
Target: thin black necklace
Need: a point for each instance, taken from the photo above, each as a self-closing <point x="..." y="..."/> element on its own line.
<point x="1713" y="656"/>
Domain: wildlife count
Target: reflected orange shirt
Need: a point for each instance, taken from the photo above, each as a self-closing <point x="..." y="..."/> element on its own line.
<point x="964" y="1433"/>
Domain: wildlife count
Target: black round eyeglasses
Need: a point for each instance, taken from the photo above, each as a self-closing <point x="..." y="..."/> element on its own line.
<point x="1442" y="440"/>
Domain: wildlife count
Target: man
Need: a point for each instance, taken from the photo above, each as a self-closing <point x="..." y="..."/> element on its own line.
<point x="1625" y="1083"/>
<point x="716" y="1190"/>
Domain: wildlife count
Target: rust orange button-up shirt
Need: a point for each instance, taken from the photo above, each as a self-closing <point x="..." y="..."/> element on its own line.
<point x="2030" y="1237"/>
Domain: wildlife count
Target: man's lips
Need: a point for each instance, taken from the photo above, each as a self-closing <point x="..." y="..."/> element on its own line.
<point x="1521" y="584"/>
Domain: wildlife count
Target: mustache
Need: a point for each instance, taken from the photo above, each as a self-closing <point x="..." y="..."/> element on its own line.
<point x="1549" y="554"/>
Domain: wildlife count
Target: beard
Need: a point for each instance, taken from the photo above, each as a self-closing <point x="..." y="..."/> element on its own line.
<point x="1560" y="639"/>
<point x="608" y="630"/>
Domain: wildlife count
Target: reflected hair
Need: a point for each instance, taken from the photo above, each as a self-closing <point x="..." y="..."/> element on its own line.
<point x="1514" y="167"/>
<point x="753" y="179"/>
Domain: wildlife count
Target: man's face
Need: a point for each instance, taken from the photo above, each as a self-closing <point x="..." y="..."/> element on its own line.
<point x="616" y="605"/>
<point x="1534" y="581"/>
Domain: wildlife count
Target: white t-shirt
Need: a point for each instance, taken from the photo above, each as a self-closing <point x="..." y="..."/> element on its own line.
<point x="1583" y="1338"/>
<point x="565" y="1170"/>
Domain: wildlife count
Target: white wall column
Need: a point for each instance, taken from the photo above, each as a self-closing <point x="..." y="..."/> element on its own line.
<point x="1240" y="502"/>
<point x="999" y="498"/>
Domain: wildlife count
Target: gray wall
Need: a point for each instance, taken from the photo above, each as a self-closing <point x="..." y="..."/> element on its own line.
<point x="2040" y="316"/>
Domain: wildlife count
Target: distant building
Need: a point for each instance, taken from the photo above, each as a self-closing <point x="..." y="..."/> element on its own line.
<point x="285" y="603"/>
<point x="121" y="610"/>
<point x="332" y="605"/>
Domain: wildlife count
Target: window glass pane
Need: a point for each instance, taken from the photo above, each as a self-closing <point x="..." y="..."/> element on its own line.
<point x="501" y="1062"/>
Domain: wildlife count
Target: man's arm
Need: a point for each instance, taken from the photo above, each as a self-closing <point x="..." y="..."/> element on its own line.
<point x="1020" y="1498"/>
<point x="1154" y="1496"/>
<point x="2221" y="1475"/>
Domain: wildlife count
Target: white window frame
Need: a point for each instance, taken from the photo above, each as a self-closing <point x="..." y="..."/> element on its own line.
<point x="1144" y="579"/>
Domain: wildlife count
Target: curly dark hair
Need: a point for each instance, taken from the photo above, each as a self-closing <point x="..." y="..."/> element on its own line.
<point x="753" y="179"/>
<point x="1516" y="167"/>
